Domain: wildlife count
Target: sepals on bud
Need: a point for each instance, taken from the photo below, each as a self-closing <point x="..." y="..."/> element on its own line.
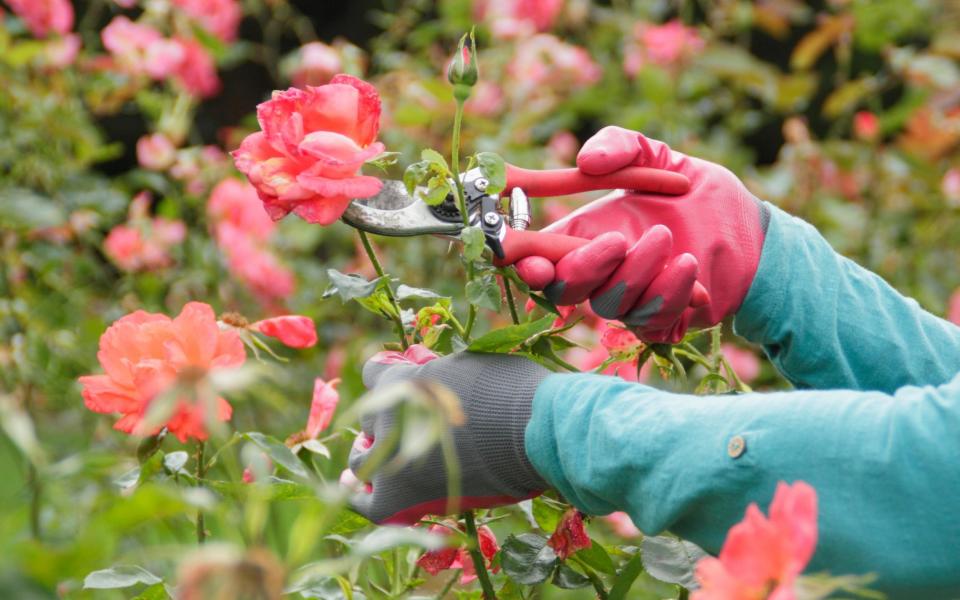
<point x="463" y="72"/>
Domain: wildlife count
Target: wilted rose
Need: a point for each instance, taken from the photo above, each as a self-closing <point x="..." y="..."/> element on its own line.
<point x="570" y="535"/>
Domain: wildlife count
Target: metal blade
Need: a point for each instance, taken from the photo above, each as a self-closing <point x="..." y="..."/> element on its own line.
<point x="394" y="212"/>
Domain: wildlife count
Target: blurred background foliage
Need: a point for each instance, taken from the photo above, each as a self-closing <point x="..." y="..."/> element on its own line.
<point x="845" y="113"/>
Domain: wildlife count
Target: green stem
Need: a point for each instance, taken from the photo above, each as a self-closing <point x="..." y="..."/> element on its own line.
<point x="593" y="577"/>
<point x="461" y="203"/>
<point x="201" y="472"/>
<point x="446" y="588"/>
<point x="478" y="564"/>
<point x="510" y="303"/>
<point x="368" y="248"/>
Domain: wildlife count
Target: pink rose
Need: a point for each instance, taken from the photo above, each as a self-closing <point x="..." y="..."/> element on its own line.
<point x="197" y="71"/>
<point x="516" y="18"/>
<point x="866" y="125"/>
<point x="545" y="60"/>
<point x="311" y="147"/>
<point x="235" y="202"/>
<point x="155" y="152"/>
<point x="663" y="45"/>
<point x="295" y="331"/>
<point x="315" y="64"/>
<point x="143" y="243"/>
<point x="744" y="362"/>
<point x="417" y="354"/>
<point x="950" y="186"/>
<point x="322" y="407"/>
<point x="61" y="52"/>
<point x="618" y="339"/>
<point x="254" y="264"/>
<point x="140" y="49"/>
<point x="563" y="147"/>
<point x="43" y="17"/>
<point x="219" y="17"/>
<point x="486" y="99"/>
<point x="761" y="558"/>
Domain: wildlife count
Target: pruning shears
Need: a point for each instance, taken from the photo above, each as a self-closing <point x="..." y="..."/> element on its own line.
<point x="395" y="212"/>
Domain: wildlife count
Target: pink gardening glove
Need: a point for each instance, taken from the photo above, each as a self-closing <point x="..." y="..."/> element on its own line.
<point x="711" y="235"/>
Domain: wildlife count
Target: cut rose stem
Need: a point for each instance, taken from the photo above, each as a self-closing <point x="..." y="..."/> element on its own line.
<point x="461" y="202"/>
<point x="368" y="248"/>
<point x="201" y="473"/>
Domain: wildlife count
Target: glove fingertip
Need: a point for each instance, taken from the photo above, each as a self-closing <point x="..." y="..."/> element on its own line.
<point x="536" y="271"/>
<point x="610" y="149"/>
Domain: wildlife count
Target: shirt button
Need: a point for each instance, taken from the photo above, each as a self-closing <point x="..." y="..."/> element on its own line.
<point x="737" y="446"/>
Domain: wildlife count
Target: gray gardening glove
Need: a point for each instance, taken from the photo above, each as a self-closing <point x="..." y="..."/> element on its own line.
<point x="496" y="396"/>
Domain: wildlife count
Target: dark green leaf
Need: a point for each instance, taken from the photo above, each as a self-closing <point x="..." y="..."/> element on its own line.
<point x="415" y="175"/>
<point x="596" y="557"/>
<point x="277" y="452"/>
<point x="431" y="156"/>
<point x="508" y="338"/>
<point x="671" y="559"/>
<point x="484" y="292"/>
<point x="494" y="170"/>
<point x="149" y="446"/>
<point x="527" y="559"/>
<point x="120" y="576"/>
<point x="545" y="304"/>
<point x="546" y="515"/>
<point x="569" y="579"/>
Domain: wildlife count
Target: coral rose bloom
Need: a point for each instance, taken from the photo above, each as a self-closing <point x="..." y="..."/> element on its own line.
<point x="312" y="144"/>
<point x="143" y="354"/>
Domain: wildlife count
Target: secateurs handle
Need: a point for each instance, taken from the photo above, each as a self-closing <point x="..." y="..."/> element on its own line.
<point x="562" y="182"/>
<point x="518" y="244"/>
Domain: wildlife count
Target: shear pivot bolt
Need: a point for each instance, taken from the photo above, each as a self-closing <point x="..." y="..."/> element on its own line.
<point x="491" y="218"/>
<point x="481" y="184"/>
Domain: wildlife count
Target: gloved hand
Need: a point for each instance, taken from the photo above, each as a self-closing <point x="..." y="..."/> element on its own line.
<point x="496" y="395"/>
<point x="713" y="234"/>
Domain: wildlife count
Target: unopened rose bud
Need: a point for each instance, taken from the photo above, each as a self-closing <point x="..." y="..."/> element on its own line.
<point x="462" y="71"/>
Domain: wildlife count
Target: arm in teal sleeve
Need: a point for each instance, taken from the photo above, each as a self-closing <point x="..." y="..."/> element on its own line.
<point x="826" y="322"/>
<point x="884" y="467"/>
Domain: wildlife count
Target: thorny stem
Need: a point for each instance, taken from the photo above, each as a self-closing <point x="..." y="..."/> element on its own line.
<point x="446" y="588"/>
<point x="461" y="203"/>
<point x="368" y="248"/>
<point x="478" y="564"/>
<point x="510" y="303"/>
<point x="201" y="472"/>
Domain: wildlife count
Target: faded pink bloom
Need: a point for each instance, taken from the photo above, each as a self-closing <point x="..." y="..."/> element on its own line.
<point x="618" y="339"/>
<point x="570" y="535"/>
<point x="333" y="366"/>
<point x="197" y="71"/>
<point x="61" y="52"/>
<point x="417" y="354"/>
<point x="622" y="525"/>
<point x="563" y="147"/>
<point x="234" y="203"/>
<point x="762" y="558"/>
<point x="143" y="243"/>
<point x="140" y="49"/>
<point x="486" y="100"/>
<point x="953" y="310"/>
<point x="545" y="60"/>
<point x="312" y="144"/>
<point x="44" y="17"/>
<point x="155" y="152"/>
<point x="146" y="354"/>
<point x="248" y="475"/>
<point x="664" y="45"/>
<point x="744" y="362"/>
<point x="315" y="64"/>
<point x="295" y="331"/>
<point x="251" y="262"/>
<point x="950" y="186"/>
<point x="516" y="18"/>
<point x="195" y="166"/>
<point x="219" y="17"/>
<point x="866" y="125"/>
<point x="324" y="404"/>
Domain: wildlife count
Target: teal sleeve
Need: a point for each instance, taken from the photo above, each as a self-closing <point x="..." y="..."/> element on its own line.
<point x="884" y="467"/>
<point x="826" y="322"/>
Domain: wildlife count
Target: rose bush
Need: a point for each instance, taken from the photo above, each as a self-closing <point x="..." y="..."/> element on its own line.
<point x="231" y="340"/>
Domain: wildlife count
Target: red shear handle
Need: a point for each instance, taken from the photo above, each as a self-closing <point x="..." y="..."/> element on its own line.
<point x="518" y="244"/>
<point x="562" y="182"/>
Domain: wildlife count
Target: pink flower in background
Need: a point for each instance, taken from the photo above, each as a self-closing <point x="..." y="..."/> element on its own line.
<point x="486" y="99"/>
<point x="618" y="339"/>
<point x="953" y="307"/>
<point x="333" y="365"/>
<point x="140" y="49"/>
<point x="44" y="17"/>
<point x="950" y="186"/>
<point x="322" y="407"/>
<point x="762" y="558"/>
<point x="570" y="535"/>
<point x="622" y="525"/>
<point x="315" y="64"/>
<point x="311" y="147"/>
<point x="417" y="354"/>
<point x="196" y="71"/>
<point x="516" y="18"/>
<point x="143" y="243"/>
<point x="126" y="3"/>
<point x="61" y="52"/>
<point x="234" y="203"/>
<point x="744" y="362"/>
<point x="219" y="17"/>
<point x="545" y="60"/>
<point x="145" y="354"/>
<point x="295" y="331"/>
<point x="155" y="152"/>
<point x="664" y="45"/>
<point x="866" y="125"/>
<point x="562" y="147"/>
<point x="253" y="263"/>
